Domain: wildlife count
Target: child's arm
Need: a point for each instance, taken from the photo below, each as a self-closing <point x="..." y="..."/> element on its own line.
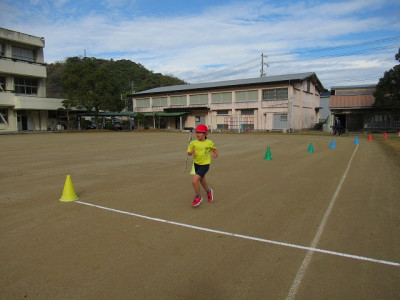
<point x="190" y="150"/>
<point x="215" y="153"/>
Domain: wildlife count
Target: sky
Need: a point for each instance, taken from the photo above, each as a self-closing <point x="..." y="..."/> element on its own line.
<point x="351" y="42"/>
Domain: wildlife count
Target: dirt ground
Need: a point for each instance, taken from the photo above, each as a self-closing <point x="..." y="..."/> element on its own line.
<point x="56" y="250"/>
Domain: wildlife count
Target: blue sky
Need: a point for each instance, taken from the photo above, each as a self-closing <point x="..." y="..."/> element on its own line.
<point x="344" y="42"/>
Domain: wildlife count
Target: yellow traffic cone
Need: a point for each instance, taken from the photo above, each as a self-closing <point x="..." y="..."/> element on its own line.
<point x="69" y="191"/>
<point x="192" y="172"/>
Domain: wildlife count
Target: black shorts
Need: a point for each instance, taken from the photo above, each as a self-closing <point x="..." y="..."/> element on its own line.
<point x="201" y="170"/>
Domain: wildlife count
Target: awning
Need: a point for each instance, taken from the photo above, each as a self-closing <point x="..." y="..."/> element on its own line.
<point x="116" y="114"/>
<point x="190" y="108"/>
<point x="162" y="114"/>
<point x="171" y="114"/>
<point x="146" y="114"/>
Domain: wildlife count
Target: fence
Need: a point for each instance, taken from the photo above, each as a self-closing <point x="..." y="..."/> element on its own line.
<point x="238" y="123"/>
<point x="382" y="123"/>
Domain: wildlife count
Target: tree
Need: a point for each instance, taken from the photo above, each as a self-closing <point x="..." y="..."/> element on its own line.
<point x="140" y="119"/>
<point x="53" y="81"/>
<point x="127" y="74"/>
<point x="387" y="94"/>
<point x="69" y="104"/>
<point x="89" y="83"/>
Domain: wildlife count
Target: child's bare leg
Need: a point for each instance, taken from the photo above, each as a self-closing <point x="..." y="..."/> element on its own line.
<point x="204" y="184"/>
<point x="195" y="181"/>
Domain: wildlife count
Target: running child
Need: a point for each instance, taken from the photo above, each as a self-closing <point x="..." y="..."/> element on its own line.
<point x="201" y="149"/>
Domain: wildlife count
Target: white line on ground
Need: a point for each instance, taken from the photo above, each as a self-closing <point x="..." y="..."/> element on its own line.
<point x="303" y="268"/>
<point x="245" y="236"/>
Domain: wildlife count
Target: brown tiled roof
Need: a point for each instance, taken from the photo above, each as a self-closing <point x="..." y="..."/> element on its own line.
<point x="353" y="101"/>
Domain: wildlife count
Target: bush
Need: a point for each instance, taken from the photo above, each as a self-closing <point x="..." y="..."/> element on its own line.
<point x="109" y="126"/>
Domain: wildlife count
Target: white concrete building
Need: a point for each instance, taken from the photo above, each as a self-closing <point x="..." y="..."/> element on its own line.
<point x="23" y="102"/>
<point x="286" y="103"/>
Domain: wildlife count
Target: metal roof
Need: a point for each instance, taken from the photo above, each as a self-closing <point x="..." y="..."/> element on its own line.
<point x="230" y="83"/>
<point x="353" y="86"/>
<point x="352" y="101"/>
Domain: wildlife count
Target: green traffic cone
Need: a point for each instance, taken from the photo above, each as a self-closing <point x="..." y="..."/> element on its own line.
<point x="268" y="154"/>
<point x="310" y="148"/>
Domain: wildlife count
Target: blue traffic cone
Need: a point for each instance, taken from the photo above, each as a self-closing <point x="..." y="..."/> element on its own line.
<point x="333" y="144"/>
<point x="356" y="142"/>
<point x="310" y="148"/>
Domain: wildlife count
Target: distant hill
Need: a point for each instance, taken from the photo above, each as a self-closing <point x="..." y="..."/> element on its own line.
<point x="126" y="72"/>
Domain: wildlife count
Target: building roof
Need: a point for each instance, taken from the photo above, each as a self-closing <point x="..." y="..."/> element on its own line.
<point x="232" y="83"/>
<point x="352" y="101"/>
<point x="353" y="86"/>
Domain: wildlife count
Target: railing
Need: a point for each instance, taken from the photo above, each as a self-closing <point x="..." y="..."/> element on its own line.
<point x="22" y="60"/>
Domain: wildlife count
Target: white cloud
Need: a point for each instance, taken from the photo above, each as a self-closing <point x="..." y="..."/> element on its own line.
<point x="222" y="35"/>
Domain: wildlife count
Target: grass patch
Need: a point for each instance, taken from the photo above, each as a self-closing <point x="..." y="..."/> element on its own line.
<point x="391" y="144"/>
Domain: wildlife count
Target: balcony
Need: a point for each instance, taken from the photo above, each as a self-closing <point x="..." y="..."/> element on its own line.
<point x="22" y="68"/>
<point x="7" y="99"/>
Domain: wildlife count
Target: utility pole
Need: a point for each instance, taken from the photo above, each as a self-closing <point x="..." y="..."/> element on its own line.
<point x="132" y="86"/>
<point x="262" y="74"/>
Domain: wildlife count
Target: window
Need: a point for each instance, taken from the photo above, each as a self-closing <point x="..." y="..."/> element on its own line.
<point x="283" y="117"/>
<point x="25" y="85"/>
<point x="141" y="103"/>
<point x="247" y="112"/>
<point x="2" y="84"/>
<point x="222" y="112"/>
<point x="3" y="115"/>
<point x="178" y="100"/>
<point x="23" y="54"/>
<point x="160" y="101"/>
<point x="52" y="114"/>
<point x="198" y="99"/>
<point x="275" y="94"/>
<point x="247" y="96"/>
<point x="221" y="97"/>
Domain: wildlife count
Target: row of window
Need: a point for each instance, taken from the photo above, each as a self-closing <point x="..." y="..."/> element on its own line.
<point x="20" y="53"/>
<point x="22" y="85"/>
<point x="243" y="112"/>
<point x="216" y="98"/>
<point x="23" y="54"/>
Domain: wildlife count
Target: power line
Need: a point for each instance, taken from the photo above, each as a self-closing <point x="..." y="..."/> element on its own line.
<point x="393" y="38"/>
<point x="336" y="55"/>
<point x="250" y="64"/>
<point x="229" y="70"/>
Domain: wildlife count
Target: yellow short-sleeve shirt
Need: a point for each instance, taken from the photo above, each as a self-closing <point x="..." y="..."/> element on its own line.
<point x="202" y="154"/>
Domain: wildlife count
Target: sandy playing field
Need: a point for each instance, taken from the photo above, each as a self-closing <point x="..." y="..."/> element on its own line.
<point x="322" y="225"/>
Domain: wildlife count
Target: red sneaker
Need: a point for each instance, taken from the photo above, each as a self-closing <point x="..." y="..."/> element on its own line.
<point x="210" y="195"/>
<point x="197" y="201"/>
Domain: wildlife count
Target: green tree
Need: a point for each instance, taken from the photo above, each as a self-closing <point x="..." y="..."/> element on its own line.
<point x="140" y="119"/>
<point x="89" y="83"/>
<point x="53" y="82"/>
<point x="69" y="104"/>
<point x="387" y="94"/>
<point x="128" y="75"/>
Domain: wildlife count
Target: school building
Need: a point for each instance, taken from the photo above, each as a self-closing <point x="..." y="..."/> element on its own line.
<point x="23" y="102"/>
<point x="283" y="103"/>
<point x="353" y="105"/>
